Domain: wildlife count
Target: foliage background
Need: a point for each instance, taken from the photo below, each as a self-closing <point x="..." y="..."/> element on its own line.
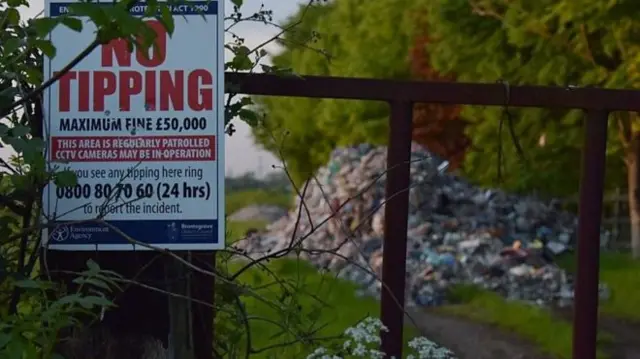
<point x="355" y="38"/>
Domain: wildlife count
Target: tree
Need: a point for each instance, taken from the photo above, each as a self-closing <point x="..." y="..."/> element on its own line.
<point x="561" y="43"/>
<point x="439" y="128"/>
<point x="354" y="38"/>
<point x="356" y="43"/>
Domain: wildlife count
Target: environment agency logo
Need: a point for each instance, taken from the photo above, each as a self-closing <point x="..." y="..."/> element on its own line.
<point x="60" y="233"/>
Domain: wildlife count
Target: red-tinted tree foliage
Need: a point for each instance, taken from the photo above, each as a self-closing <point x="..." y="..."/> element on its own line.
<point x="439" y="128"/>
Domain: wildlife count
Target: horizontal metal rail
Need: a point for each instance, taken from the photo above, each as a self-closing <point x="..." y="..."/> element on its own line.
<point x="498" y="94"/>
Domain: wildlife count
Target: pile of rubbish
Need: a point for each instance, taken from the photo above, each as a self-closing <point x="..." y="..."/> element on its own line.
<point x="458" y="233"/>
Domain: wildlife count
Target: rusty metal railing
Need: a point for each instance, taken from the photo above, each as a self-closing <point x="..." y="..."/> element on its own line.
<point x="401" y="95"/>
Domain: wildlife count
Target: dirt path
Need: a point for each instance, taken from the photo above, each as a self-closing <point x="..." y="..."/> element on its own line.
<point x="626" y="335"/>
<point x="469" y="340"/>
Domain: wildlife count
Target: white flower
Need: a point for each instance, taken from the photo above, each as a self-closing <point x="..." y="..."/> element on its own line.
<point x="346" y="345"/>
<point x="376" y="354"/>
<point x="317" y="353"/>
<point x="429" y="350"/>
<point x="364" y="340"/>
<point x="321" y="353"/>
<point x="359" y="350"/>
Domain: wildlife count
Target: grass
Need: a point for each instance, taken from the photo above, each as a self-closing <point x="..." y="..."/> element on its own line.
<point x="341" y="308"/>
<point x="236" y="230"/>
<point x="621" y="274"/>
<point x="618" y="271"/>
<point x="240" y="199"/>
<point x="326" y="303"/>
<point x="535" y="324"/>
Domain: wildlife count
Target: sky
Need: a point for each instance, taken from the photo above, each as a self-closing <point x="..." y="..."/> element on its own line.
<point x="242" y="155"/>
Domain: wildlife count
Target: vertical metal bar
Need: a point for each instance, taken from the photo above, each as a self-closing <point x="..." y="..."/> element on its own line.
<point x="396" y="216"/>
<point x="585" y="317"/>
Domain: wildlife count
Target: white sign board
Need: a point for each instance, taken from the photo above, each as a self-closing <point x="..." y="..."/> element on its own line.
<point x="144" y="135"/>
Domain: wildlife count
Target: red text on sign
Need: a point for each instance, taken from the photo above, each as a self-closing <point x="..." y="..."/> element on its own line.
<point x="134" y="149"/>
<point x="163" y="90"/>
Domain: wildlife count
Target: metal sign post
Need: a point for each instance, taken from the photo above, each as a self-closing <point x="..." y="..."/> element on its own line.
<point x="144" y="135"/>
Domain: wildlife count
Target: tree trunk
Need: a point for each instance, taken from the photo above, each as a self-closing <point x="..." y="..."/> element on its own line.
<point x="633" y="170"/>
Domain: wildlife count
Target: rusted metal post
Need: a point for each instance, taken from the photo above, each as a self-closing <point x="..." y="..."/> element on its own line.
<point x="396" y="214"/>
<point x="585" y="318"/>
<point x="401" y="94"/>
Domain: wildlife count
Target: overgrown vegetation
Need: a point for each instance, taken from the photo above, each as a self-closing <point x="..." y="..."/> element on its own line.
<point x="327" y="306"/>
<point x="37" y="312"/>
<point x="288" y="307"/>
<point x="550" y="43"/>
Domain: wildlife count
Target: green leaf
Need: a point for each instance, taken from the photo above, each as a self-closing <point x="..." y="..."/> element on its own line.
<point x="92" y="281"/>
<point x="128" y="26"/>
<point x="152" y="8"/>
<point x="29" y="284"/>
<point x="94" y="11"/>
<point x="72" y="23"/>
<point x="14" y="3"/>
<point x="34" y="75"/>
<point x="4" y="340"/>
<point x="237" y="3"/>
<point x="44" y="25"/>
<point x="32" y="152"/>
<point x="46" y="47"/>
<point x="10" y="93"/>
<point x="242" y="62"/>
<point x="146" y="38"/>
<point x="18" y="144"/>
<point x="91" y="301"/>
<point x="12" y="44"/>
<point x="242" y="51"/>
<point x="93" y="266"/>
<point x="250" y="117"/>
<point x="66" y="178"/>
<point x="19" y="130"/>
<point x="37" y="143"/>
<point x="69" y="299"/>
<point x="13" y="16"/>
<point x="166" y="19"/>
